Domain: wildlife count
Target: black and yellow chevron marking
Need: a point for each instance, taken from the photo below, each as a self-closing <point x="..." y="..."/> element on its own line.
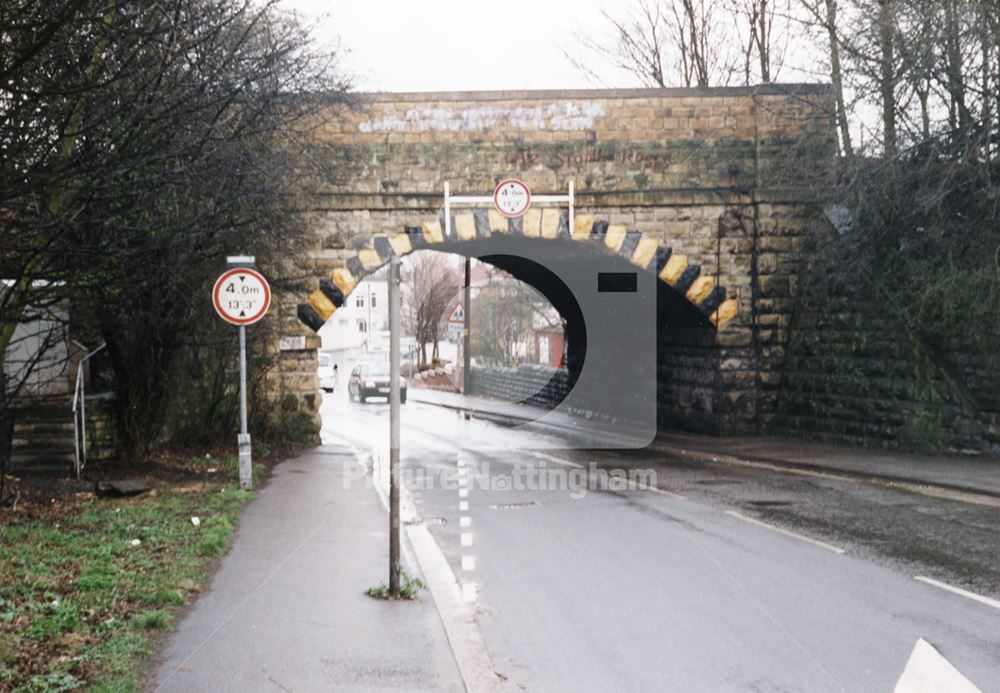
<point x="642" y="250"/>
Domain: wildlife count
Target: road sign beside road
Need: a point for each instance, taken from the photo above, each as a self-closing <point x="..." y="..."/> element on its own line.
<point x="456" y="321"/>
<point x="241" y="296"/>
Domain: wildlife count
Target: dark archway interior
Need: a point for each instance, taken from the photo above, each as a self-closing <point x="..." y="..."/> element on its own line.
<point x="559" y="295"/>
<point x="687" y="357"/>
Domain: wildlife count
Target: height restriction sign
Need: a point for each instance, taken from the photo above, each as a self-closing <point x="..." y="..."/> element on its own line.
<point x="512" y="198"/>
<point x="241" y="296"/>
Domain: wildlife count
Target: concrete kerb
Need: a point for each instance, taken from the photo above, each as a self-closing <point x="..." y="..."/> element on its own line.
<point x="421" y="550"/>
<point x="913" y="484"/>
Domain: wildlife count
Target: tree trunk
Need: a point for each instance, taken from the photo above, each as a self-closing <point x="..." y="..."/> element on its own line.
<point x="764" y="44"/>
<point x="887" y="78"/>
<point x="956" y="80"/>
<point x="837" y="79"/>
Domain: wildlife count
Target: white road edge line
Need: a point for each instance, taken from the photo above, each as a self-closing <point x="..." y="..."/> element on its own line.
<point x="787" y="533"/>
<point x="959" y="591"/>
<point x="657" y="489"/>
<point x="553" y="458"/>
<point x="632" y="485"/>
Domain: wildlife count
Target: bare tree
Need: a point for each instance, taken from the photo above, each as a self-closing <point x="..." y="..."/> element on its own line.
<point x="764" y="35"/>
<point x="431" y="289"/>
<point x="141" y="142"/>
<point x="665" y="43"/>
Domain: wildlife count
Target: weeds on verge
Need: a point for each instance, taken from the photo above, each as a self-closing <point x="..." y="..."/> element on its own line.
<point x="408" y="586"/>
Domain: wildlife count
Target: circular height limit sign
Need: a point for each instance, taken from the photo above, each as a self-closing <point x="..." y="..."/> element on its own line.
<point x="241" y="296"/>
<point x="512" y="198"/>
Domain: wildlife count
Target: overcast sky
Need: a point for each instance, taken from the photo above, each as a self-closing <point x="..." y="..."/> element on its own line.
<point x="422" y="45"/>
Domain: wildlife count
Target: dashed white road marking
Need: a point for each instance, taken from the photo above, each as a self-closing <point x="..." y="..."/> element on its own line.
<point x="466" y="641"/>
<point x="787" y="533"/>
<point x="958" y="590"/>
<point x="470" y="591"/>
<point x="928" y="672"/>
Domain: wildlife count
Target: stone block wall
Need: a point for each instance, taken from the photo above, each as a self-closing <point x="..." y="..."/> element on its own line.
<point x="724" y="177"/>
<point x="856" y="373"/>
<point x="102" y="431"/>
<point x="537" y="385"/>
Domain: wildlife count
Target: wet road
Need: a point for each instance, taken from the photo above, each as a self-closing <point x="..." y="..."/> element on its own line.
<point x="681" y="587"/>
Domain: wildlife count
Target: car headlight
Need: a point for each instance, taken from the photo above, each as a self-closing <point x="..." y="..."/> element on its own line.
<point x="369" y="383"/>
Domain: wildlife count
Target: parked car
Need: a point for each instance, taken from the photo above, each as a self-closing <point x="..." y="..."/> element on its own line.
<point x="327" y="373"/>
<point x="372" y="380"/>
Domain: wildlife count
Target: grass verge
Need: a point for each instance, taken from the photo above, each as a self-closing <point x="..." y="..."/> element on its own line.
<point x="84" y="590"/>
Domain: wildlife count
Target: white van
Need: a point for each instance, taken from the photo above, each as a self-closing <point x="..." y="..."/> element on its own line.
<point x="327" y="372"/>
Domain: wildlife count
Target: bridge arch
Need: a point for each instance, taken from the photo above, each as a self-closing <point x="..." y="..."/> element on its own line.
<point x="474" y="230"/>
<point x="615" y="288"/>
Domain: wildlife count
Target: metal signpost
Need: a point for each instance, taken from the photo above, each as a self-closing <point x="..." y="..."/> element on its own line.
<point x="394" y="425"/>
<point x="466" y="327"/>
<point x="241" y="297"/>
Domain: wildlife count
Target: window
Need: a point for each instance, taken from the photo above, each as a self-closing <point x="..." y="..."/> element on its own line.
<point x="360" y="303"/>
<point x="373" y="300"/>
<point x="362" y="327"/>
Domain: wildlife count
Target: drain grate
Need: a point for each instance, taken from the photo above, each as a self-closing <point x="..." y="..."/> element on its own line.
<point x="514" y="506"/>
<point x="768" y="503"/>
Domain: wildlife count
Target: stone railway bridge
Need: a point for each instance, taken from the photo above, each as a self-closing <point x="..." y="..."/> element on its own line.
<point x="713" y="192"/>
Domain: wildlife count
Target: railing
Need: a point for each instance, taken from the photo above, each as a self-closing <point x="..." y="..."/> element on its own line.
<point x="479" y="200"/>
<point x="80" y="415"/>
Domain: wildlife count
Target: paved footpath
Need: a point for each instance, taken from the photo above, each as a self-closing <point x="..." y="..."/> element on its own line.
<point x="287" y="609"/>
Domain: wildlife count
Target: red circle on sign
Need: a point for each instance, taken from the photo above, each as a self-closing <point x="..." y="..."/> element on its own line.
<point x="514" y="182"/>
<point x="229" y="314"/>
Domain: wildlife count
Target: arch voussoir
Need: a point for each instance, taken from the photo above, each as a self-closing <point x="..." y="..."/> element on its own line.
<point x="641" y="249"/>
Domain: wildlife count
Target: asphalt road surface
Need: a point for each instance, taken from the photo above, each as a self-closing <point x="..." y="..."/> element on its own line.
<point x="702" y="578"/>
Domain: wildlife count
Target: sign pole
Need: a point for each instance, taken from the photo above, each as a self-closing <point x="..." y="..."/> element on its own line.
<point x="241" y="297"/>
<point x="394" y="425"/>
<point x="466" y="347"/>
<point x="243" y="439"/>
